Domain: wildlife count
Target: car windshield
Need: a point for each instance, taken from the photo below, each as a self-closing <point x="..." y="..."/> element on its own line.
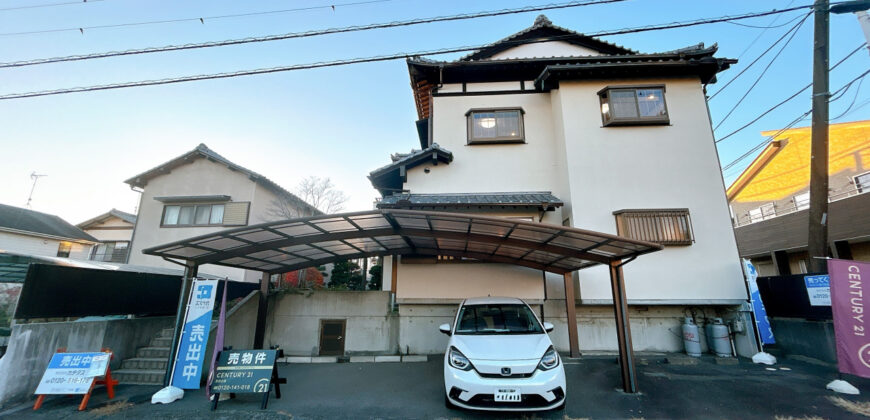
<point x="497" y="319"/>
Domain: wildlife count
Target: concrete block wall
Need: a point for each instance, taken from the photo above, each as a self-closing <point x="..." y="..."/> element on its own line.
<point x="31" y="347"/>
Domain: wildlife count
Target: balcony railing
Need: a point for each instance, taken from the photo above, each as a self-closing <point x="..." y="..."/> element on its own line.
<point x="116" y="256"/>
<point x="792" y="207"/>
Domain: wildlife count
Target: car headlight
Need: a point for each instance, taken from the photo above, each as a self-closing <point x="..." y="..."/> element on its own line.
<point x="458" y="360"/>
<point x="550" y="359"/>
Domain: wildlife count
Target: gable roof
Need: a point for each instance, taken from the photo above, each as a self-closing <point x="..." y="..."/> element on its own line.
<point x="543" y="30"/>
<point x="127" y="217"/>
<point x="389" y="178"/>
<point x="202" y="151"/>
<point x="26" y="221"/>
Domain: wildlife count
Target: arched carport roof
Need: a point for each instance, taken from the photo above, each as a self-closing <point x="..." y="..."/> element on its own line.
<point x="282" y="246"/>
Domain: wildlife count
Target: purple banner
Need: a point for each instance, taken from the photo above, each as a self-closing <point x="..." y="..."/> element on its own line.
<point x="849" y="280"/>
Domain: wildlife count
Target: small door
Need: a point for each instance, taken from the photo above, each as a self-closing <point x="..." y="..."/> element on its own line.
<point x="332" y="337"/>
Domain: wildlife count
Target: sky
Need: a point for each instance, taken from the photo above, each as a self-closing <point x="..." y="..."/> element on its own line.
<point x="338" y="122"/>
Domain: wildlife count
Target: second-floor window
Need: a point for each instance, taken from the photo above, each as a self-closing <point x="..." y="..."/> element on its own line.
<point x="802" y="201"/>
<point x="663" y="226"/>
<point x="495" y="126"/>
<point x="639" y="105"/>
<point x="764" y="212"/>
<point x="193" y="215"/>
<point x="862" y="183"/>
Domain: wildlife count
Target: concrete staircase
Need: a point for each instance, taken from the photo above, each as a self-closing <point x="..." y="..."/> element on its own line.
<point x="149" y="365"/>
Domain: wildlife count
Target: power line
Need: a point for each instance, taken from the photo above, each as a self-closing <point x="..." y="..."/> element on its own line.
<point x="394" y="24"/>
<point x="760" y="34"/>
<point x="35" y="6"/>
<point x="756" y="59"/>
<point x="202" y="20"/>
<point x="769" y="110"/>
<point x="794" y="30"/>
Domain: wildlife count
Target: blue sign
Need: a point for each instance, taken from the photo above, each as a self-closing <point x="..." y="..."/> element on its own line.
<point x="72" y="373"/>
<point x="762" y="324"/>
<point x="194" y="339"/>
<point x="818" y="290"/>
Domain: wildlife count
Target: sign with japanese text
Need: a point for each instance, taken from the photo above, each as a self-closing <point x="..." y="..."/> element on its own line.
<point x="848" y="281"/>
<point x="72" y="373"/>
<point x="194" y="337"/>
<point x="244" y="371"/>
<point x="818" y="290"/>
<point x="762" y="324"/>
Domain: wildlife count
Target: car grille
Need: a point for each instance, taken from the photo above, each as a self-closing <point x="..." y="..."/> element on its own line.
<point x="513" y="375"/>
<point x="528" y="401"/>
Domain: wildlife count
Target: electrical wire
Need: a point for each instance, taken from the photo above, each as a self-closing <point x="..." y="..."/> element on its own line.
<point x="794" y="30"/>
<point x="769" y="110"/>
<point x="760" y="34"/>
<point x="394" y="24"/>
<point x="35" y="6"/>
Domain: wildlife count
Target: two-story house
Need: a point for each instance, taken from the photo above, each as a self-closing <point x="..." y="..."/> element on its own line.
<point x="29" y="232"/>
<point x="770" y="199"/>
<point x="555" y="126"/>
<point x="114" y="230"/>
<point x="201" y="192"/>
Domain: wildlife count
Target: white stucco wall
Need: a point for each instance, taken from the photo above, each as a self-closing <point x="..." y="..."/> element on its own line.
<point x="35" y="245"/>
<point x="112" y="229"/>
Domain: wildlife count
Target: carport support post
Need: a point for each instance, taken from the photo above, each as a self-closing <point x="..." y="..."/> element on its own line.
<point x="571" y="311"/>
<point x="623" y="329"/>
<point x="260" y="331"/>
<point x="190" y="271"/>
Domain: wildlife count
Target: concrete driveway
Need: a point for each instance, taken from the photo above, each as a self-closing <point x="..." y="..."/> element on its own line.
<point x="415" y="390"/>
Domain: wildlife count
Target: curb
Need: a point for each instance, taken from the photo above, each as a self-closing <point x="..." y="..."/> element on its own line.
<point x="410" y="358"/>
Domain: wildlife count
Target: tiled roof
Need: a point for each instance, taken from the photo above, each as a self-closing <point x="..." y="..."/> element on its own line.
<point x="25" y="220"/>
<point x="390" y="178"/>
<point x="488" y="199"/>
<point x="203" y="151"/>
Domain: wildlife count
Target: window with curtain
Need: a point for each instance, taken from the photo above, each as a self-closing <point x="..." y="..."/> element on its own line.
<point x="495" y="126"/>
<point x="193" y="215"/>
<point x="633" y="105"/>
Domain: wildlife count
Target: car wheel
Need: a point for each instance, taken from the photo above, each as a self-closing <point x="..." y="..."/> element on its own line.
<point x="448" y="404"/>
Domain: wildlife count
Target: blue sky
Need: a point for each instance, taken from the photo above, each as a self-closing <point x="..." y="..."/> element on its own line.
<point x="339" y="122"/>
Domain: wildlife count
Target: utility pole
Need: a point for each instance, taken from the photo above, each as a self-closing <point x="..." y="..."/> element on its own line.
<point x="35" y="177"/>
<point x="817" y="242"/>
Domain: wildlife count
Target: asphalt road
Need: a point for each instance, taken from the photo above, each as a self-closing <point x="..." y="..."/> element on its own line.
<point x="415" y="390"/>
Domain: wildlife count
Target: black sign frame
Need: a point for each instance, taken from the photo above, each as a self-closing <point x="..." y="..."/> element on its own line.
<point x="274" y="380"/>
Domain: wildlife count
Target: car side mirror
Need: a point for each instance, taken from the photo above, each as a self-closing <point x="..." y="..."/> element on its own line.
<point x="548" y="327"/>
<point x="444" y="328"/>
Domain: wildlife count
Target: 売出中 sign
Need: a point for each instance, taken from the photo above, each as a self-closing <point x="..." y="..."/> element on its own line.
<point x="243" y="371"/>
<point x="194" y="338"/>
<point x="762" y="323"/>
<point x="818" y="290"/>
<point x="72" y="373"/>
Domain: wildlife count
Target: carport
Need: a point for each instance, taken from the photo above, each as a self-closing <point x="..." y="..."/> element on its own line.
<point x="288" y="245"/>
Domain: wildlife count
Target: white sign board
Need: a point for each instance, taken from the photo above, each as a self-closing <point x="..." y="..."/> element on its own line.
<point x="72" y="373"/>
<point x="819" y="290"/>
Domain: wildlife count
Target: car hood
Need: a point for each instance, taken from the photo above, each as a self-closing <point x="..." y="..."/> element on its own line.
<point x="502" y="346"/>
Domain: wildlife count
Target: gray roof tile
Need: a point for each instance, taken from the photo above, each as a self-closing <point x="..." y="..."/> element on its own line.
<point x="26" y="220"/>
<point x="488" y="199"/>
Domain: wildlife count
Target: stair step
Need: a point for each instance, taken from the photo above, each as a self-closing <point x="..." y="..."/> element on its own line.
<point x="139" y="376"/>
<point x="161" y="342"/>
<point x="166" y="332"/>
<point x="144" y="363"/>
<point x="152" y="352"/>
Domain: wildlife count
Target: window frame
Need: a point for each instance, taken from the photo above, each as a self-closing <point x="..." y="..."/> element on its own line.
<point x="469" y="129"/>
<point x="64" y="244"/>
<point x="604" y="96"/>
<point x="858" y="185"/>
<point x="682" y="213"/>
<point x="193" y="215"/>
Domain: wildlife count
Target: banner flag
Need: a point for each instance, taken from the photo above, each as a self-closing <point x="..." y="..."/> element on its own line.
<point x="194" y="338"/>
<point x="218" y="340"/>
<point x="762" y="324"/>
<point x="847" y="280"/>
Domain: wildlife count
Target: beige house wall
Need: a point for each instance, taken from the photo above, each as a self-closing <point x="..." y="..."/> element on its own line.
<point x="111" y="230"/>
<point x="37" y="245"/>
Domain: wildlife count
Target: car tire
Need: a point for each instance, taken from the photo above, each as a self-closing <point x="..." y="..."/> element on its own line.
<point x="448" y="404"/>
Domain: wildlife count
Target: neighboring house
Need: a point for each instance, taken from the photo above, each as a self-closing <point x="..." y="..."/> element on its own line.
<point x="555" y="126"/>
<point x="202" y="192"/>
<point x="771" y="198"/>
<point x="30" y="232"/>
<point x="114" y="229"/>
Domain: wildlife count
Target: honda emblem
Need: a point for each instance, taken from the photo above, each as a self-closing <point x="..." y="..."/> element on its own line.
<point x="505" y="371"/>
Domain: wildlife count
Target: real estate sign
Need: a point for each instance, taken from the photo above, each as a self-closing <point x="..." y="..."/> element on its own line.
<point x="849" y="279"/>
<point x="72" y="373"/>
<point x="762" y="324"/>
<point x="194" y="339"/>
<point x="818" y="290"/>
<point x="244" y="371"/>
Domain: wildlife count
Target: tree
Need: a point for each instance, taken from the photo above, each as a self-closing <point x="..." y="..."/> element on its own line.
<point x="321" y="193"/>
<point x="346" y="275"/>
<point x="377" y="272"/>
<point x="310" y="277"/>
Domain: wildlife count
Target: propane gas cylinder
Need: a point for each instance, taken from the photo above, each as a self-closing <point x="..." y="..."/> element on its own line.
<point x="691" y="339"/>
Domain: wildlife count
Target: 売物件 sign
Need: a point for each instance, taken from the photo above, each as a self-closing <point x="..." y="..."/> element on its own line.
<point x="72" y="373"/>
<point x="243" y="371"/>
<point x="818" y="290"/>
<point x="194" y="339"/>
<point x="849" y="280"/>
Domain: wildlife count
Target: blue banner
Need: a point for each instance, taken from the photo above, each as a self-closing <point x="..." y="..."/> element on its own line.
<point x="194" y="337"/>
<point x="762" y="324"/>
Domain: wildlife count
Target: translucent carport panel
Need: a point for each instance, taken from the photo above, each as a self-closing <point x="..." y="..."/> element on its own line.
<point x="491" y="228"/>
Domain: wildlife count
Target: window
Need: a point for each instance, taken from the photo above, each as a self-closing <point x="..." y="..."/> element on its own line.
<point x="63" y="249"/>
<point x="764" y="212"/>
<point x="633" y="105"/>
<point x="495" y="126"/>
<point x="662" y="226"/>
<point x="497" y="319"/>
<point x="110" y="252"/>
<point x="193" y="215"/>
<point x="802" y="201"/>
<point x="862" y="182"/>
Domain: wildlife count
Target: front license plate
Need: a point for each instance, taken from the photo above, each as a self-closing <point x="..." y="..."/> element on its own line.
<point x="508" y="395"/>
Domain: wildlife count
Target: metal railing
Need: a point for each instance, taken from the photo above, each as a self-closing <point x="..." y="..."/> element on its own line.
<point x="792" y="207"/>
<point x="118" y="256"/>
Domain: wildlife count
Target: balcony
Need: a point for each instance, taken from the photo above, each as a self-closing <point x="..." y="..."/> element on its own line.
<point x="115" y="256"/>
<point x="793" y="207"/>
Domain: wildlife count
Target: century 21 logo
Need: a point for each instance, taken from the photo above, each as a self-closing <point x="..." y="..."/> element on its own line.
<point x="203" y="291"/>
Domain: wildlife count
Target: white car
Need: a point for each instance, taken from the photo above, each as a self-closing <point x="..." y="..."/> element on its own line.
<point x="499" y="357"/>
